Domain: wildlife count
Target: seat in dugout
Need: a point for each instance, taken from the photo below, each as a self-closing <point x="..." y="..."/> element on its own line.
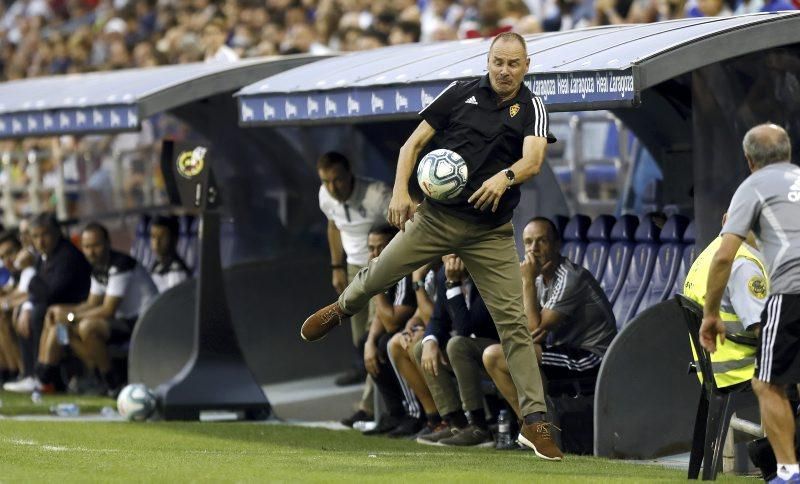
<point x="575" y="238"/>
<point x="619" y="256"/>
<point x="596" y="254"/>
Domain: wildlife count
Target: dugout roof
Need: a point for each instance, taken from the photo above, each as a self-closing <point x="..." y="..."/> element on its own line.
<point x="587" y="69"/>
<point x="119" y="100"/>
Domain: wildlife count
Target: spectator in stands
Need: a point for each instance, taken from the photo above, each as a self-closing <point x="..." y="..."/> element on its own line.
<point x="26" y="257"/>
<point x="459" y="309"/>
<point x="168" y="269"/>
<point x="401" y="353"/>
<point x="404" y="32"/>
<point x="62" y="277"/>
<point x="569" y="315"/>
<point x="743" y="301"/>
<point x="352" y="204"/>
<point x="569" y="15"/>
<point x="120" y="290"/>
<point x="214" y="36"/>
<point x="13" y="294"/>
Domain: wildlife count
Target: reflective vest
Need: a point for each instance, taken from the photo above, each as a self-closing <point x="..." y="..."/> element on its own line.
<point x="732" y="362"/>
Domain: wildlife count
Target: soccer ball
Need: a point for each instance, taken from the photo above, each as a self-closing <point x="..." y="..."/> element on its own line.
<point x="442" y="174"/>
<point x="135" y="402"/>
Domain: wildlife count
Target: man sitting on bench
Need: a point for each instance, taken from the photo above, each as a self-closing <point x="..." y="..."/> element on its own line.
<point x="569" y="315"/>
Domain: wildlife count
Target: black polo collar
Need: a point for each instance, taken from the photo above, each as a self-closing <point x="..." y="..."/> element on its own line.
<point x="490" y="96"/>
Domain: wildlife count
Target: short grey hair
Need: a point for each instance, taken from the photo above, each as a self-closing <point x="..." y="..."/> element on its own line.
<point x="766" y="144"/>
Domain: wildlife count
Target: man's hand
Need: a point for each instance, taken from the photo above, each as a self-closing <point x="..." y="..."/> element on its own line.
<point x="454" y="269"/>
<point x="419" y="274"/>
<point x="488" y="195"/>
<point x="432" y="358"/>
<point x="539" y="334"/>
<point x="712" y="327"/>
<point x="413" y="327"/>
<point x="339" y="280"/>
<point x="401" y="209"/>
<point x="532" y="267"/>
<point x="371" y="358"/>
<point x="23" y="324"/>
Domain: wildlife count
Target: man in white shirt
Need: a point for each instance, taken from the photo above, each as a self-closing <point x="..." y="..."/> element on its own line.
<point x="353" y="205"/>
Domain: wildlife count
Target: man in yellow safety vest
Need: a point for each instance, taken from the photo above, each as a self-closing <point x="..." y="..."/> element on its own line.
<point x="742" y="303"/>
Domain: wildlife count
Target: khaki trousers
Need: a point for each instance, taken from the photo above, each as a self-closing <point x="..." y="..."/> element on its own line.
<point x="491" y="258"/>
<point x="359" y="325"/>
<point x="466" y="359"/>
<point x="443" y="390"/>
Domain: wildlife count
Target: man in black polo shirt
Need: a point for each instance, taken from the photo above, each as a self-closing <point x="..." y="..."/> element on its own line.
<point x="500" y="129"/>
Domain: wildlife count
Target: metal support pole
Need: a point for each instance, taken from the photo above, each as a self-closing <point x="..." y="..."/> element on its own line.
<point x="35" y="183"/>
<point x="9" y="214"/>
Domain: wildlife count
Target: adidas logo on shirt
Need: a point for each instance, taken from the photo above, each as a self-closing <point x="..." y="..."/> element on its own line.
<point x="471" y="100"/>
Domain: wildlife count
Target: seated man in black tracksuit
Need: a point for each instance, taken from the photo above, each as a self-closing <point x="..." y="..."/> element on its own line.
<point x="393" y="309"/>
<point x="63" y="276"/>
<point x="459" y="309"/>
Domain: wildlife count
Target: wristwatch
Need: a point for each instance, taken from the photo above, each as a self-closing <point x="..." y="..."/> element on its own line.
<point x="509" y="175"/>
<point x="452" y="284"/>
<point x="419" y="285"/>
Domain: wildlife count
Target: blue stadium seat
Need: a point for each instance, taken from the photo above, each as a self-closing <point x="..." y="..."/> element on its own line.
<point x="599" y="235"/>
<point x="688" y="256"/>
<point x="619" y="256"/>
<point x="668" y="261"/>
<point x="639" y="272"/>
<point x="140" y="248"/>
<point x="575" y="240"/>
<point x="561" y="223"/>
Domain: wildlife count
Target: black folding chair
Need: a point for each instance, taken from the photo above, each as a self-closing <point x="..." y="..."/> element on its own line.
<point x="715" y="409"/>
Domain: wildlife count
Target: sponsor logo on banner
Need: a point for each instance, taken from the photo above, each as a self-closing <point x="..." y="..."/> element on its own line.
<point x="97" y="117"/>
<point x="115" y="119"/>
<point x="48" y="121"/>
<point x="269" y="111"/>
<point x="247" y="112"/>
<point x="32" y="124"/>
<point x="2" y="126"/>
<point x="190" y="163"/>
<point x="353" y="106"/>
<point x="16" y="126"/>
<point x="133" y="118"/>
<point x="80" y="118"/>
<point x="377" y="103"/>
<point x="513" y="110"/>
<point x="63" y="120"/>
<point x="291" y="109"/>
<point x="425" y="99"/>
<point x="312" y="106"/>
<point x="400" y="101"/>
<point x="330" y="106"/>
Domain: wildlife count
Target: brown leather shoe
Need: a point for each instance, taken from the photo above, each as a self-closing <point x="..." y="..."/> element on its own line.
<point x="322" y="322"/>
<point x="537" y="437"/>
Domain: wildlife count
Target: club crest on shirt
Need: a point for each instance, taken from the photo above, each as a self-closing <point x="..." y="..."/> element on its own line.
<point x="757" y="286"/>
<point x="513" y="110"/>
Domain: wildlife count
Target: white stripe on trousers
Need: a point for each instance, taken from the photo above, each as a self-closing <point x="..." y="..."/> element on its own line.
<point x="768" y="337"/>
<point x="412" y="406"/>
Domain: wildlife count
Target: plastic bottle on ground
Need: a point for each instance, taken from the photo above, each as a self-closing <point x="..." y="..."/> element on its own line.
<point x="66" y="410"/>
<point x="504" y="440"/>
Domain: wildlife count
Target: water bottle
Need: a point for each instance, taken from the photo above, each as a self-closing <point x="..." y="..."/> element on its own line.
<point x="36" y="397"/>
<point x="62" y="334"/>
<point x="503" y="430"/>
<point x="108" y="412"/>
<point x="66" y="410"/>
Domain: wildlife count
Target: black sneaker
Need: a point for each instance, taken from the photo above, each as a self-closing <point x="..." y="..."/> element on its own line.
<point x="408" y="426"/>
<point x="428" y="429"/>
<point x="359" y="416"/>
<point x="471" y="436"/>
<point x="353" y="376"/>
<point x="386" y="425"/>
<point x="442" y="431"/>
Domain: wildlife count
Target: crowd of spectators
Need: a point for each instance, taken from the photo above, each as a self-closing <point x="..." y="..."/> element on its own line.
<point x="47" y="37"/>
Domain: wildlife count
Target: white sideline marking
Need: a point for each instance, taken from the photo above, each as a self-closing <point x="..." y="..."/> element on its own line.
<point x="57" y="448"/>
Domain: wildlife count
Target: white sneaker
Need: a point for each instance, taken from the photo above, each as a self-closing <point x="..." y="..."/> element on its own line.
<point x="27" y="385"/>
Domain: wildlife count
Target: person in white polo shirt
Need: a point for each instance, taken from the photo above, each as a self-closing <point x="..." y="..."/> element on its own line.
<point x="353" y="205"/>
